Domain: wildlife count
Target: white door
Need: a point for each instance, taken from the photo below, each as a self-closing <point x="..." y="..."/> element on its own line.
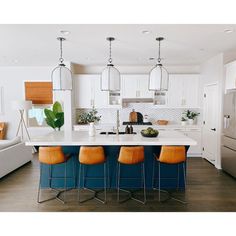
<point x="210" y="116"/>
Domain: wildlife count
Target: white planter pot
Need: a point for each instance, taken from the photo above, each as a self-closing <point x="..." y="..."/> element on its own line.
<point x="183" y="122"/>
<point x="190" y="121"/>
<point x="92" y="130"/>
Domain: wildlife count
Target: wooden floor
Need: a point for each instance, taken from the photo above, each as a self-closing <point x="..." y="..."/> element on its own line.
<point x="208" y="189"/>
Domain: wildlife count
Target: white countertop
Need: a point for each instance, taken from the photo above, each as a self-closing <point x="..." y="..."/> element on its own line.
<point x="77" y="138"/>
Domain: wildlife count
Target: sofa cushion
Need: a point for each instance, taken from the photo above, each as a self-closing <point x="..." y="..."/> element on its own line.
<point x="7" y="143"/>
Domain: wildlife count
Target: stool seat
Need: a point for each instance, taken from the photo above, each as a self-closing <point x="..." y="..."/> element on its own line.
<point x="91" y="155"/>
<point x="52" y="155"/>
<point x="131" y="155"/>
<point x="172" y="155"/>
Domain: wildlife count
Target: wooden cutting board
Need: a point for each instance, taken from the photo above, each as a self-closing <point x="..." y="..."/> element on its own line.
<point x="133" y="116"/>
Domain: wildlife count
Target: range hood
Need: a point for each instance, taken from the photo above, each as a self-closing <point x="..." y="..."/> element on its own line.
<point x="137" y="100"/>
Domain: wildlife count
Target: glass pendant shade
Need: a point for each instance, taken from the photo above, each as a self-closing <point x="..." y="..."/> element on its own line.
<point x="158" y="79"/>
<point x="61" y="78"/>
<point x="158" y="76"/>
<point x="110" y="79"/>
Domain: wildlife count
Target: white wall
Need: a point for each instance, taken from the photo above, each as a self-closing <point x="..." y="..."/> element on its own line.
<point x="212" y="71"/>
<point x="12" y="79"/>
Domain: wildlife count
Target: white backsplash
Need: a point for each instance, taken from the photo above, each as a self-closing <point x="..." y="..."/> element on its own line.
<point x="108" y="115"/>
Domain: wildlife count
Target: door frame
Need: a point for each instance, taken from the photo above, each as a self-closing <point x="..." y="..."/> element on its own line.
<point x="218" y="123"/>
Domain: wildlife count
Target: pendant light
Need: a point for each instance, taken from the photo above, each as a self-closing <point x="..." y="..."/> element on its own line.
<point x="158" y="77"/>
<point x="110" y="77"/>
<point x="61" y="75"/>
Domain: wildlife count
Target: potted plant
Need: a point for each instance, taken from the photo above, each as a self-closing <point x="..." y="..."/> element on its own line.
<point x="183" y="120"/>
<point x="90" y="118"/>
<point x="191" y="115"/>
<point x="55" y="117"/>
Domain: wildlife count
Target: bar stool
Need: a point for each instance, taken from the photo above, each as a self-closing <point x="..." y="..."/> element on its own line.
<point x="92" y="156"/>
<point x="172" y="155"/>
<point x="52" y="156"/>
<point x="131" y="156"/>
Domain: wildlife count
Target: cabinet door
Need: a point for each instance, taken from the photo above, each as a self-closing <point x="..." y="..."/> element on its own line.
<point x="175" y="91"/>
<point x="100" y="97"/>
<point x="129" y="86"/>
<point x="190" y="91"/>
<point x="143" y="91"/>
<point x="230" y="76"/>
<point x="196" y="135"/>
<point x="83" y="91"/>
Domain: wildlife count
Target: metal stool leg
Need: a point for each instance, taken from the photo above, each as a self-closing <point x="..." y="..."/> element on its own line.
<point x="118" y="183"/>
<point x="40" y="173"/>
<point x="144" y="184"/>
<point x="57" y="197"/>
<point x="129" y="192"/>
<point x="95" y="193"/>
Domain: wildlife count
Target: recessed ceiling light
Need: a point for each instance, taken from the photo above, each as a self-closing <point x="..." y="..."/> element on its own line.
<point x="228" y="31"/>
<point x="146" y="32"/>
<point x="65" y="32"/>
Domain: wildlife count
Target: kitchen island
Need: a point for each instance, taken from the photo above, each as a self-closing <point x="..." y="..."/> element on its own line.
<point x="71" y="142"/>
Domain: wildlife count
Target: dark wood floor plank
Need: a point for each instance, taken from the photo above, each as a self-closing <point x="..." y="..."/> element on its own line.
<point x="208" y="189"/>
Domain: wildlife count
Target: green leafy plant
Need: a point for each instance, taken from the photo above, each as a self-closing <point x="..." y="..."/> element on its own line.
<point x="191" y="114"/>
<point x="55" y="117"/>
<point x="88" y="117"/>
<point x="183" y="118"/>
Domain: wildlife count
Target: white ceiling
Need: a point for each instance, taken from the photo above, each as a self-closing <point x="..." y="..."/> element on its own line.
<point x="36" y="45"/>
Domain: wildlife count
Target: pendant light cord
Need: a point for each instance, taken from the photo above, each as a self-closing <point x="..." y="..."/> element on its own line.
<point x="61" y="58"/>
<point x="159" y="53"/>
<point x="110" y="59"/>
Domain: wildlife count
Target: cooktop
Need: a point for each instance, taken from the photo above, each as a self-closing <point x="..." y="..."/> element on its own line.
<point x="136" y="123"/>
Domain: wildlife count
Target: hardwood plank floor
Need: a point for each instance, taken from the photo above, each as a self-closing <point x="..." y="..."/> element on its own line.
<point x="208" y="189"/>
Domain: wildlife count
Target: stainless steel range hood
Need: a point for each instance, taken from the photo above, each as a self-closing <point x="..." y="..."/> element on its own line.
<point x="137" y="100"/>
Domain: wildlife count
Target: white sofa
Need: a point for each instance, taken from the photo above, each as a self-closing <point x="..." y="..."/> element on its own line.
<point x="13" y="154"/>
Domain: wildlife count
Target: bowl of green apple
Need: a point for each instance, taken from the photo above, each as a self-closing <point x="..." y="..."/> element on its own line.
<point x="149" y="132"/>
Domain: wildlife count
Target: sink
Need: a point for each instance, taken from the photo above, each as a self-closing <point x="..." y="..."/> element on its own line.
<point x="115" y="133"/>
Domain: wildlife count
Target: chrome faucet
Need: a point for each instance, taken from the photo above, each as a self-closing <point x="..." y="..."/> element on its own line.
<point x="117" y="121"/>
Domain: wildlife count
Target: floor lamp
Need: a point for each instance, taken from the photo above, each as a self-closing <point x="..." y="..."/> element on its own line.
<point x="22" y="106"/>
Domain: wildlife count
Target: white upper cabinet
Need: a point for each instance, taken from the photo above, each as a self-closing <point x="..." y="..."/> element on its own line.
<point x="230" y="75"/>
<point x="135" y="86"/>
<point x="183" y="91"/>
<point x="88" y="92"/>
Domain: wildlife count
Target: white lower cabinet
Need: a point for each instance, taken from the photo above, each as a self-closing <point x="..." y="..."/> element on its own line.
<point x="196" y="134"/>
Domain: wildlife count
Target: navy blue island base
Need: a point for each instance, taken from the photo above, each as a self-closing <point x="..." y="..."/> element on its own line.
<point x="94" y="173"/>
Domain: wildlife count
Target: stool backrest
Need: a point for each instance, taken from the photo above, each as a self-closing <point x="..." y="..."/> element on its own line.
<point x="51" y="155"/>
<point x="91" y="155"/>
<point x="131" y="155"/>
<point x="172" y="154"/>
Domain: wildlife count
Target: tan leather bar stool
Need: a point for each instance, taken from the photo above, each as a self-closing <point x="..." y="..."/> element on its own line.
<point x="172" y="155"/>
<point x="131" y="156"/>
<point x="92" y="156"/>
<point x="52" y="156"/>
